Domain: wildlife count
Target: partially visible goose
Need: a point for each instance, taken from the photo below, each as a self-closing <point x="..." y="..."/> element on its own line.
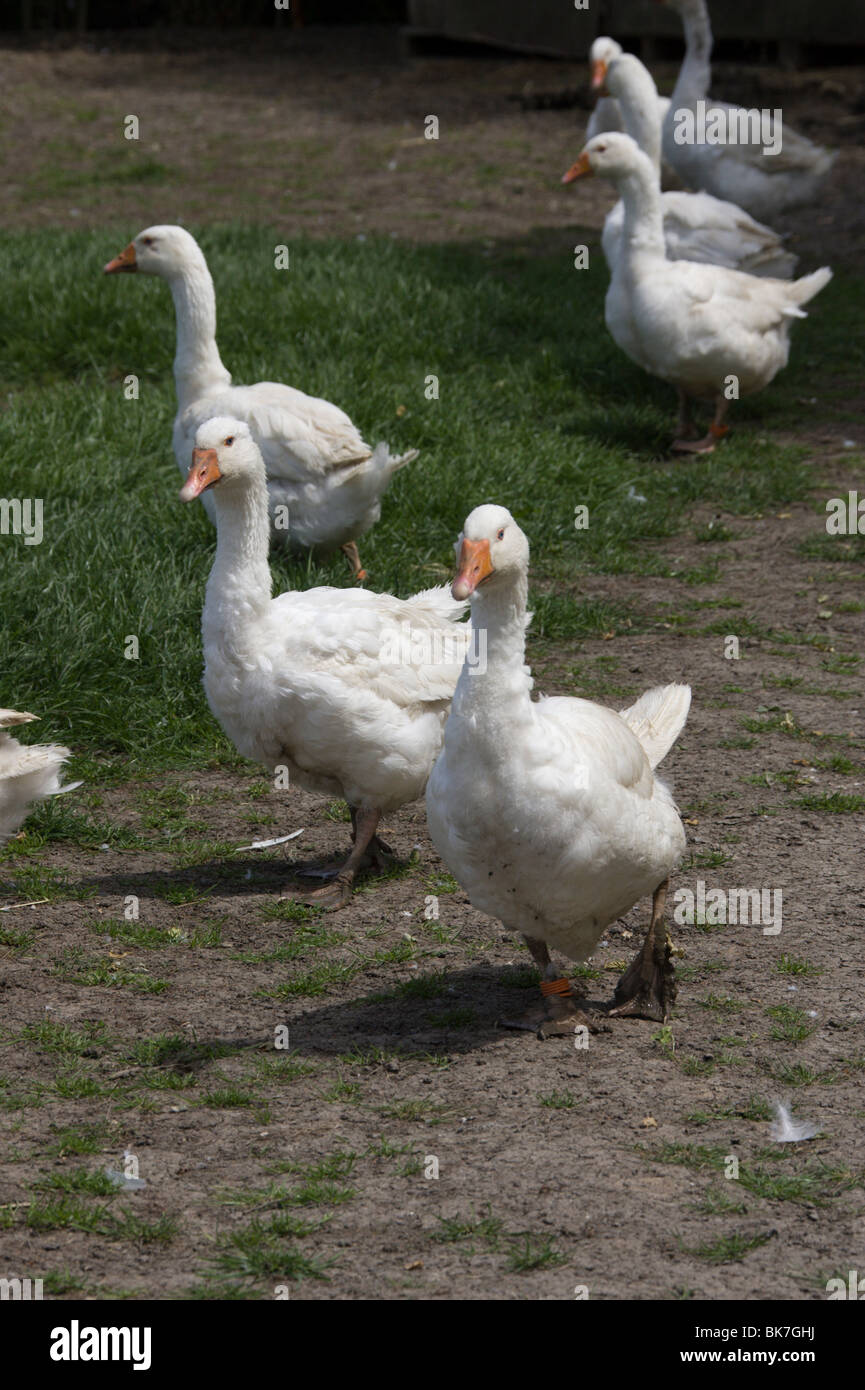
<point x="326" y="480"/>
<point x="697" y="227"/>
<point x="710" y="331"/>
<point x="29" y="772"/>
<point x="607" y="113"/>
<point x="346" y="689"/>
<point x="548" y="812"/>
<point x="765" y="185"/>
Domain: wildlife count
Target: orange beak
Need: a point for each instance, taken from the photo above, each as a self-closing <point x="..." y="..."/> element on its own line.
<point x="125" y="261"/>
<point x="202" y="475"/>
<point x="581" y="170"/>
<point x="599" y="75"/>
<point x="473" y="567"/>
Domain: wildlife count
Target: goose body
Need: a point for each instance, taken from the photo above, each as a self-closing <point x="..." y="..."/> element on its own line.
<point x="28" y="772"/>
<point x="548" y="812"/>
<point x="693" y="325"/>
<point x="764" y="184"/>
<point x="697" y="226"/>
<point x="347" y="689"/>
<point x="324" y="482"/>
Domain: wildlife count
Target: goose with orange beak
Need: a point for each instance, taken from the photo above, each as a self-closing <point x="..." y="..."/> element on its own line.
<point x="697" y="227"/>
<point x="607" y="113"/>
<point x="710" y="331"/>
<point x="325" y="483"/>
<point x="340" y="691"/>
<point x="548" y="811"/>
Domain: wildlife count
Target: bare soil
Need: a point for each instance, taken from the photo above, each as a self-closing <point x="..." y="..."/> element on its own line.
<point x="322" y="131"/>
<point x="560" y="1143"/>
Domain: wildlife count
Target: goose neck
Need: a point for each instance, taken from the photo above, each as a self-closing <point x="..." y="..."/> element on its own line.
<point x="695" y="74"/>
<point x="240" y="586"/>
<point x="497" y="675"/>
<point x="641" y="120"/>
<point x="644" y="222"/>
<point x="197" y="364"/>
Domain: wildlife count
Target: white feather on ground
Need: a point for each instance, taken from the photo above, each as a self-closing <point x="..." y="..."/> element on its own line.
<point x="786" y="1130"/>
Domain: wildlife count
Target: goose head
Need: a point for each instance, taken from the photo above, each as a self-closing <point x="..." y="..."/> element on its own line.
<point x="167" y="251"/>
<point x="612" y="155"/>
<point x="602" y="53"/>
<point x="491" y="551"/>
<point x="225" y="452"/>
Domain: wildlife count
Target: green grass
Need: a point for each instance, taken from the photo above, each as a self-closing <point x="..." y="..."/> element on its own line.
<point x="532" y="414"/>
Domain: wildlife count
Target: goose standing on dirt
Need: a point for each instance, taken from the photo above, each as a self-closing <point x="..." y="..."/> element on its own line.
<point x="697" y="227"/>
<point x="347" y="689"/>
<point x="764" y="184"/>
<point x="28" y="772"/>
<point x="325" y="483"/>
<point x="709" y="331"/>
<point x="548" y="812"/>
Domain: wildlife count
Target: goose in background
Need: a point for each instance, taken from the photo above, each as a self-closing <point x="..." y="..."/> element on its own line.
<point x="548" y="812"/>
<point x="764" y="184"/>
<point x="607" y="113"/>
<point x="325" y="483"/>
<point x="697" y="227"/>
<point x="708" y="330"/>
<point x="29" y="772"/>
<point x="346" y="690"/>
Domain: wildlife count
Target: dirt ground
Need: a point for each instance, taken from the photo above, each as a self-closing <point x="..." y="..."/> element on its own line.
<point x="322" y="131"/>
<point x="598" y="1162"/>
<point x="558" y="1167"/>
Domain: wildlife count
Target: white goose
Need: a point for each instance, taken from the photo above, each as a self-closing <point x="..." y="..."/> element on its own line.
<point x="709" y="331"/>
<point x="28" y="772"/>
<point x="697" y="227"/>
<point x="607" y="113"/>
<point x="325" y="480"/>
<point x="548" y="812"/>
<point x="347" y="689"/>
<point x="763" y="184"/>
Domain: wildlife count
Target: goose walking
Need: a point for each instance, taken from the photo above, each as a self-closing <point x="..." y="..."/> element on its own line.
<point x="29" y="772"/>
<point x="345" y="689"/>
<point x="325" y="483"/>
<point x="548" y="812"/>
<point x="708" y="330"/>
<point x="764" y="184"/>
<point x="697" y="227"/>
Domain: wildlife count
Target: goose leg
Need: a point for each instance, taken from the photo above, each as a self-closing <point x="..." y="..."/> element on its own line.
<point x="561" y="1011"/>
<point x="338" y="893"/>
<point x="685" y="428"/>
<point x="351" y="553"/>
<point x="648" y="987"/>
<point x="378" y="854"/>
<point x="717" y="430"/>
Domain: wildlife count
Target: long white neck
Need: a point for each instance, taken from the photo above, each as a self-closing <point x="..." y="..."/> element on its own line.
<point x="695" y="74"/>
<point x="497" y="683"/>
<point x="637" y="96"/>
<point x="197" y="364"/>
<point x="640" y="192"/>
<point x="240" y="585"/>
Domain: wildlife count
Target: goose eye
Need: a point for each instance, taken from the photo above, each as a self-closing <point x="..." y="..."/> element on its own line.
<point x="229" y="440"/>
<point x="147" y="240"/>
<point x="501" y="534"/>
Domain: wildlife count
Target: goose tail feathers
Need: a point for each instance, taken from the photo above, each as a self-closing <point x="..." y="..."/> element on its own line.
<point x="658" y="717"/>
